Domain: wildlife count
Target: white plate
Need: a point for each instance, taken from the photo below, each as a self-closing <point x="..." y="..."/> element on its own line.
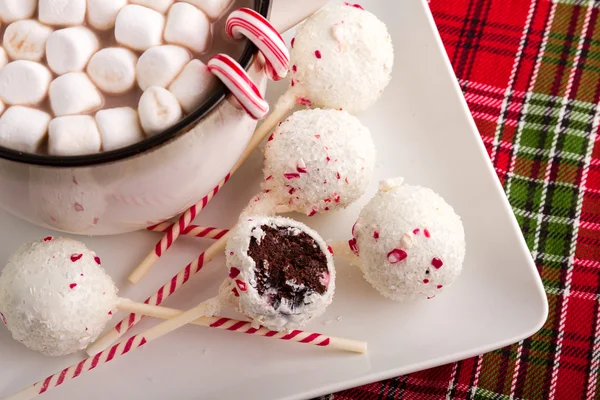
<point x="424" y="132"/>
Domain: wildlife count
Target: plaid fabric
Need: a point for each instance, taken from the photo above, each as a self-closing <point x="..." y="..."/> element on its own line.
<point x="530" y="71"/>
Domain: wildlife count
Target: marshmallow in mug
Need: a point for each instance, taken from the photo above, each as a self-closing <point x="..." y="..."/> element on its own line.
<point x="73" y="135"/>
<point x="113" y="70"/>
<point x="159" y="110"/>
<point x="139" y="27"/>
<point x="212" y="8"/>
<point x="187" y="26"/>
<point x="70" y="49"/>
<point x="23" y="128"/>
<point x="62" y="12"/>
<point x="24" y="82"/>
<point x="73" y="93"/>
<point x="193" y="85"/>
<point x="158" y="5"/>
<point x="26" y="40"/>
<point x="160" y="65"/>
<point x="102" y="14"/>
<point x="14" y="10"/>
<point x="119" y="127"/>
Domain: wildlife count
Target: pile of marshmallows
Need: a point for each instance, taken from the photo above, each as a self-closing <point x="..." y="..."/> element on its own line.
<point x="79" y="72"/>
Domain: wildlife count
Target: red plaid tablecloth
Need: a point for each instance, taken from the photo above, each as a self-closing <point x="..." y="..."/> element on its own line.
<point x="530" y="71"/>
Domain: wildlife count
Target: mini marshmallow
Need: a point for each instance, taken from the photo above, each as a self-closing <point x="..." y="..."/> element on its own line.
<point x="62" y="12"/>
<point x="158" y="5"/>
<point x="193" y="85"/>
<point x="74" y="135"/>
<point x="160" y="65"/>
<point x="159" y="110"/>
<point x="139" y="27"/>
<point x="3" y="58"/>
<point x="26" y="40"/>
<point x="70" y="49"/>
<point x="23" y="128"/>
<point x="189" y="27"/>
<point x="212" y="8"/>
<point x="102" y="14"/>
<point x="24" y="83"/>
<point x="119" y="127"/>
<point x="14" y="10"/>
<point x="113" y="70"/>
<point x="73" y="93"/>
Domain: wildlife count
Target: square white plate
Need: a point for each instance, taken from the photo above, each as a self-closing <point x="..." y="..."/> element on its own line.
<point x="424" y="132"/>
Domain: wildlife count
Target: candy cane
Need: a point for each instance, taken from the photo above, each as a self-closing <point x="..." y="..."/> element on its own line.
<point x="239" y="83"/>
<point x="207" y="232"/>
<point x="249" y="23"/>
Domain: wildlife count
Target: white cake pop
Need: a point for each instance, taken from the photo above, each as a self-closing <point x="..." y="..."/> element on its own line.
<point x="318" y="160"/>
<point x="54" y="296"/>
<point x="280" y="271"/>
<point x="410" y="242"/>
<point x="342" y="58"/>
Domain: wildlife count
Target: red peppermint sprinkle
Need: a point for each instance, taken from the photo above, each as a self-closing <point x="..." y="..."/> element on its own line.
<point x="294" y="68"/>
<point x="110" y="313"/>
<point x="437" y="263"/>
<point x="293" y="42"/>
<point x="318" y="136"/>
<point x="416" y="231"/>
<point x="440" y="286"/>
<point x="291" y="175"/>
<point x="303" y="101"/>
<point x="354" y="5"/>
<point x="80" y="274"/>
<point x="425" y="281"/>
<point x="375" y="235"/>
<point x="327" y="200"/>
<point x="328" y="158"/>
<point x="235" y="292"/>
<point x="234" y="272"/>
<point x="429" y="298"/>
<point x="241" y="285"/>
<point x="337" y="175"/>
<point x="330" y="249"/>
<point x="318" y="54"/>
<point x="292" y="191"/>
<point x="76" y="257"/>
<point x="312" y="213"/>
<point x="293" y="82"/>
<point x="336" y="198"/>
<point x="97" y="259"/>
<point x="231" y="253"/>
<point x="353" y="246"/>
<point x="47" y="238"/>
<point x="301" y="167"/>
<point x="3" y="318"/>
<point x="270" y="137"/>
<point x="426" y="233"/>
<point x="326" y="208"/>
<point x="397" y="255"/>
<point x="268" y="178"/>
<point x="72" y="286"/>
<point x="78" y="207"/>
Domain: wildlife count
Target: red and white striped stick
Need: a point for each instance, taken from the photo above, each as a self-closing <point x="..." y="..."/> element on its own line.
<point x="227" y="324"/>
<point x="207" y="232"/>
<point x="239" y="84"/>
<point x="171" y="236"/>
<point x="249" y="23"/>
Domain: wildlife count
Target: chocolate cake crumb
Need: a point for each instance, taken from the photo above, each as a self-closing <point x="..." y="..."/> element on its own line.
<point x="282" y="257"/>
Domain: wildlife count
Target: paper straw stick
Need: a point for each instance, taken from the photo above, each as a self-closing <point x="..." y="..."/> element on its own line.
<point x="283" y="106"/>
<point x="207" y="232"/>
<point x="163" y="293"/>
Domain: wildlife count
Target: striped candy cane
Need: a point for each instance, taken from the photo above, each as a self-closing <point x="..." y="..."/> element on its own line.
<point x="249" y="23"/>
<point x="239" y="83"/>
<point x="206" y="232"/>
<point x="172" y="234"/>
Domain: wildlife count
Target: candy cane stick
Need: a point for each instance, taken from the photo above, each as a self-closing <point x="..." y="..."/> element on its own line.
<point x="227" y="324"/>
<point x="207" y="232"/>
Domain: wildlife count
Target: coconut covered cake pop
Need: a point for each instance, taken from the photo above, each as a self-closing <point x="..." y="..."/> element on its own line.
<point x="317" y="161"/>
<point x="54" y="296"/>
<point x="281" y="272"/>
<point x="410" y="242"/>
<point x="342" y="58"/>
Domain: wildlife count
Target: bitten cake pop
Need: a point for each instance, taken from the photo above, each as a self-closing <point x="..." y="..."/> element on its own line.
<point x="410" y="242"/>
<point x="54" y="297"/>
<point x="280" y="271"/>
<point x="342" y="58"/>
<point x="318" y="160"/>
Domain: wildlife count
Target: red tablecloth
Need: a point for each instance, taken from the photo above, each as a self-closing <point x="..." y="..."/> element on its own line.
<point x="530" y="70"/>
